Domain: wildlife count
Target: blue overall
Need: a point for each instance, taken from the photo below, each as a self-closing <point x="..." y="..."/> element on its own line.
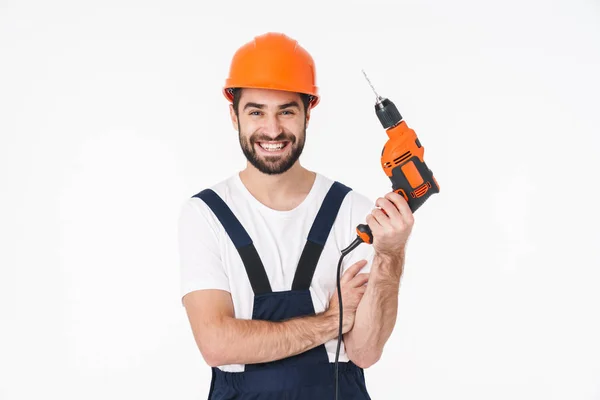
<point x="306" y="376"/>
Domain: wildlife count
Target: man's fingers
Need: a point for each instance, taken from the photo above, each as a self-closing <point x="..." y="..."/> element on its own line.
<point x="388" y="207"/>
<point x="372" y="222"/>
<point x="353" y="270"/>
<point x="359" y="280"/>
<point x="401" y="205"/>
<point x="380" y="216"/>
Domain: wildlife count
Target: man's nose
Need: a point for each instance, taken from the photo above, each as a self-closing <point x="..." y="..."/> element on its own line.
<point x="273" y="126"/>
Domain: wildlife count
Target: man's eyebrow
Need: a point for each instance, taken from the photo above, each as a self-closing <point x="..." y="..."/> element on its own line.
<point x="281" y="107"/>
<point x="255" y="105"/>
<point x="290" y="104"/>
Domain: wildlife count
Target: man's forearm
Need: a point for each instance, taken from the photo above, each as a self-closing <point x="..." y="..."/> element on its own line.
<point x="376" y="313"/>
<point x="239" y="341"/>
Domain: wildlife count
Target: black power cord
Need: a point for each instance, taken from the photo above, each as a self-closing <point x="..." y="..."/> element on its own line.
<point x="347" y="250"/>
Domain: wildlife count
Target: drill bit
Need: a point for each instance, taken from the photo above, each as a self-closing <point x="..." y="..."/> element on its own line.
<point x="377" y="96"/>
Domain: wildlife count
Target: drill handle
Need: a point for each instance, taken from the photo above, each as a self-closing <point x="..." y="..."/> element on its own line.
<point x="414" y="196"/>
<point x="414" y="181"/>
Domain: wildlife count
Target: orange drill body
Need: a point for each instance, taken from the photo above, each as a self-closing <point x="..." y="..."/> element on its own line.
<point x="402" y="160"/>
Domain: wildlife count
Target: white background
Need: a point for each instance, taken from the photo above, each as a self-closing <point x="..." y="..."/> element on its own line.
<point x="111" y="116"/>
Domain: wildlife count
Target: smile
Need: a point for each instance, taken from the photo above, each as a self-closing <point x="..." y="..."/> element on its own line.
<point x="273" y="147"/>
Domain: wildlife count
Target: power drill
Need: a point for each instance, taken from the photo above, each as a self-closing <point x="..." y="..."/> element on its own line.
<point x="401" y="160"/>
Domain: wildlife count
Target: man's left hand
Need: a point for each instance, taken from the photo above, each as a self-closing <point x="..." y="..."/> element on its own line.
<point x="391" y="231"/>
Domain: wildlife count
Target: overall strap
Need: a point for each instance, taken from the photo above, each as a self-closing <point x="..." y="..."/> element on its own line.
<point x="318" y="235"/>
<point x="240" y="238"/>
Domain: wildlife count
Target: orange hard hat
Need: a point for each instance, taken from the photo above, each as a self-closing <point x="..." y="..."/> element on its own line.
<point x="273" y="61"/>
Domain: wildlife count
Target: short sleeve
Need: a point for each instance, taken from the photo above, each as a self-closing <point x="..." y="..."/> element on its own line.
<point x="200" y="262"/>
<point x="360" y="207"/>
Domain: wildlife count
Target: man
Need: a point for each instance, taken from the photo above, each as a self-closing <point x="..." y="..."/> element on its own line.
<point x="259" y="250"/>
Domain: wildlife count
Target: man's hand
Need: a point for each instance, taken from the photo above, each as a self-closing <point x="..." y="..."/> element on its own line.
<point x="353" y="288"/>
<point x="375" y="316"/>
<point x="391" y="225"/>
<point x="224" y="339"/>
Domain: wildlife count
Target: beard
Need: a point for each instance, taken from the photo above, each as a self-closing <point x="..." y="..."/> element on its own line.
<point x="272" y="165"/>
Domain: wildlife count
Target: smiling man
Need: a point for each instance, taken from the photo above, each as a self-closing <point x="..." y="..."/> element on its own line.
<point x="259" y="250"/>
<point x="271" y="155"/>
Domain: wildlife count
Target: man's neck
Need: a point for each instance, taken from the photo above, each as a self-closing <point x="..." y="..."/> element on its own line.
<point x="280" y="192"/>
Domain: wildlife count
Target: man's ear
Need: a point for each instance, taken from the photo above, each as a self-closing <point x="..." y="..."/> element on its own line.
<point x="307" y="117"/>
<point x="234" y="118"/>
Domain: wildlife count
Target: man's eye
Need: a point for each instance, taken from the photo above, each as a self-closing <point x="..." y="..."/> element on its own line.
<point x="254" y="112"/>
<point x="288" y="112"/>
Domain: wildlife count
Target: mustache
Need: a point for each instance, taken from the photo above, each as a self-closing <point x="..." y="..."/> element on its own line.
<point x="280" y="138"/>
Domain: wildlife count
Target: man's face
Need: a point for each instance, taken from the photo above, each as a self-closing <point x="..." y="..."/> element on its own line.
<point x="272" y="128"/>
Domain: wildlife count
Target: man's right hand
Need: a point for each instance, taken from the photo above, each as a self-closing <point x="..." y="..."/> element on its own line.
<point x="224" y="339"/>
<point x="353" y="288"/>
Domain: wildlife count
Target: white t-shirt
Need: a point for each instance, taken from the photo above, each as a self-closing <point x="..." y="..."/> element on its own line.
<point x="209" y="259"/>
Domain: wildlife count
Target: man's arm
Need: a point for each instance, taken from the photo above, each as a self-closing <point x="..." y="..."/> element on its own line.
<point x="376" y="314"/>
<point x="222" y="339"/>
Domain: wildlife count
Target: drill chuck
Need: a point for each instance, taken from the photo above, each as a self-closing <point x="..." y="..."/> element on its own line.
<point x="388" y="114"/>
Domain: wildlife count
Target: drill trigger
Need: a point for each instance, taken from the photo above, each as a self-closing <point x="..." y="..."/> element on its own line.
<point x="402" y="193"/>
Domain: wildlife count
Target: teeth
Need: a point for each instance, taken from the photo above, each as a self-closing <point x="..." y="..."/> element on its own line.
<point x="271" y="146"/>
